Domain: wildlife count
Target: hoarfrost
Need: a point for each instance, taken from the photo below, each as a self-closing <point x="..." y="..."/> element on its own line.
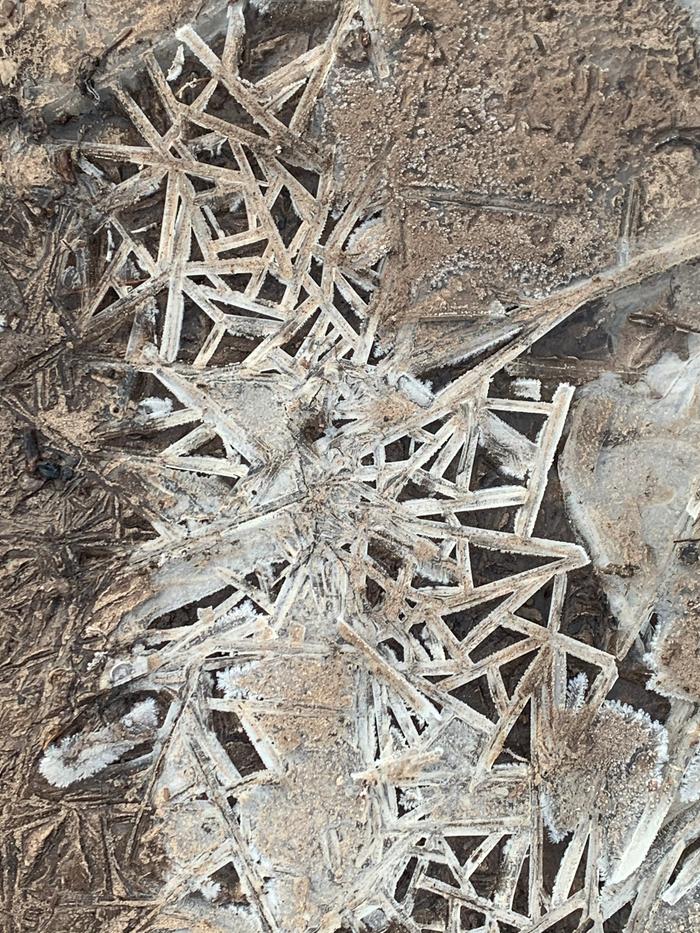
<point x="83" y="755"/>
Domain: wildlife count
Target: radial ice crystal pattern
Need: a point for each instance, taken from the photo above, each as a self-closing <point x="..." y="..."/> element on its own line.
<point x="355" y="633"/>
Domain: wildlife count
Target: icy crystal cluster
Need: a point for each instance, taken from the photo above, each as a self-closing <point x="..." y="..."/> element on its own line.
<point x="371" y="714"/>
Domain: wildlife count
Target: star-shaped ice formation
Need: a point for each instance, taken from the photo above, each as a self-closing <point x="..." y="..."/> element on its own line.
<point x="356" y="622"/>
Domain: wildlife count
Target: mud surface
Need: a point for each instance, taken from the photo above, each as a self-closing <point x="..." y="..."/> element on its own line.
<point x="516" y="150"/>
